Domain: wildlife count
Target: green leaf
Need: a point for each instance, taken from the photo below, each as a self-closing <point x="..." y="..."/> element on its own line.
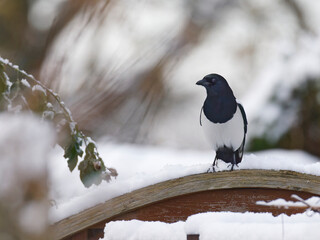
<point x="4" y="88"/>
<point x="89" y="174"/>
<point x="90" y="150"/>
<point x="72" y="162"/>
<point x="3" y="80"/>
<point x="14" y="90"/>
<point x="37" y="100"/>
<point x="92" y="168"/>
<point x="73" y="151"/>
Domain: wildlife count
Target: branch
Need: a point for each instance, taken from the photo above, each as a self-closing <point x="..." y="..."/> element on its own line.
<point x="312" y="208"/>
<point x="92" y="168"/>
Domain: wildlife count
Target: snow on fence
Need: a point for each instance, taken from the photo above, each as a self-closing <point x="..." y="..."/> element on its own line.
<point x="220" y="225"/>
<point x="125" y="206"/>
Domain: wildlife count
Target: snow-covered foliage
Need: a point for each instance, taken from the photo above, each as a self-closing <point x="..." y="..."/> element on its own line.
<point x="220" y="226"/>
<point x="25" y="143"/>
<point x="140" y="166"/>
<point x="24" y="92"/>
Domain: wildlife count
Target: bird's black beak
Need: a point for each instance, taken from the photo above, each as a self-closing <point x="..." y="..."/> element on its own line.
<point x="202" y="82"/>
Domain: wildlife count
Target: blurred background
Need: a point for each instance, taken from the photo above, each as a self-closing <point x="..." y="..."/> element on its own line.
<point x="127" y="68"/>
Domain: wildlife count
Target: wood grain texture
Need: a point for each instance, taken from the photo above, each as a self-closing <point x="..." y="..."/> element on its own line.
<point x="287" y="180"/>
<point x="233" y="200"/>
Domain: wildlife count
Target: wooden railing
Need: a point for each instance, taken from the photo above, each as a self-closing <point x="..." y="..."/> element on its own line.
<point x="240" y="179"/>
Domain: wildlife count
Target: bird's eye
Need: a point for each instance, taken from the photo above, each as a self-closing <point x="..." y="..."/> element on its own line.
<point x="212" y="81"/>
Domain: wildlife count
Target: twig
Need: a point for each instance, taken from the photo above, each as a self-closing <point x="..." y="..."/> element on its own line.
<point x="66" y="111"/>
<point x="312" y="208"/>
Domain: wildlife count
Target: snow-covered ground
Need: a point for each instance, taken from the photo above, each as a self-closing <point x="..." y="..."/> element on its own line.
<point x="220" y="226"/>
<point x="140" y="166"/>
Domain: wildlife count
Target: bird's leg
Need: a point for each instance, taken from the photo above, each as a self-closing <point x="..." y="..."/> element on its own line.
<point x="211" y="169"/>
<point x="233" y="162"/>
<point x="214" y="161"/>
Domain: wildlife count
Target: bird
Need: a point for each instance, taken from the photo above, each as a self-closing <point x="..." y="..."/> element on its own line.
<point x="224" y="120"/>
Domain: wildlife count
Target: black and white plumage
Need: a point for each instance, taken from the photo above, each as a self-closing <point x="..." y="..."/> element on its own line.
<point x="223" y="119"/>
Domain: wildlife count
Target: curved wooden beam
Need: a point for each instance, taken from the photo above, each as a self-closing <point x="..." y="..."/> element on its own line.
<point x="282" y="179"/>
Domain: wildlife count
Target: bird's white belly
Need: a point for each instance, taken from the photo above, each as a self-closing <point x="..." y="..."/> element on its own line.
<point x="229" y="134"/>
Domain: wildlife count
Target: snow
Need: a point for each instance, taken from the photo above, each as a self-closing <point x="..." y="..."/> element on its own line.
<point x="33" y="217"/>
<point x="220" y="225"/>
<point x="137" y="167"/>
<point x="4" y="61"/>
<point x="16" y="67"/>
<point x="277" y="81"/>
<point x="22" y="137"/>
<point x="282" y="160"/>
<point x="136" y="229"/>
<point x="313" y="202"/>
<point x="37" y="87"/>
<point x="49" y="105"/>
<point x="228" y="225"/>
<point x="25" y="82"/>
<point x="48" y="115"/>
<point x="141" y="166"/>
<point x="25" y="143"/>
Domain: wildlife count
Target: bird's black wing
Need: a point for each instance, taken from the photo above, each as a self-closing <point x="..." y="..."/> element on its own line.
<point x="200" y="115"/>
<point x="239" y="152"/>
<point x="244" y="117"/>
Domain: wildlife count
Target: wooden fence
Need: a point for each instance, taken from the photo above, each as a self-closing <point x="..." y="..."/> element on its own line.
<point x="176" y="199"/>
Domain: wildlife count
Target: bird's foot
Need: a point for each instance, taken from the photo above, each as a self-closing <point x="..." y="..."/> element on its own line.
<point x="232" y="166"/>
<point x="211" y="169"/>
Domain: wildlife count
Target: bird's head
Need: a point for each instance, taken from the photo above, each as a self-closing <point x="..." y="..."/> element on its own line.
<point x="215" y="84"/>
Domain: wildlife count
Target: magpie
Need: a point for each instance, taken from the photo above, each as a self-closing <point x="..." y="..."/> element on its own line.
<point x="223" y="119"/>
